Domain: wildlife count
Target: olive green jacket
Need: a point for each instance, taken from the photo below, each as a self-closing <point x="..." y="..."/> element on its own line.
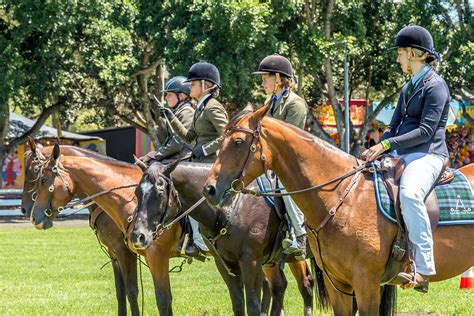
<point x="173" y="147"/>
<point x="209" y="122"/>
<point x="290" y="108"/>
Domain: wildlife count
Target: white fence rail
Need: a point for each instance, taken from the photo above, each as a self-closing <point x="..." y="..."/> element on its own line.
<point x="10" y="203"/>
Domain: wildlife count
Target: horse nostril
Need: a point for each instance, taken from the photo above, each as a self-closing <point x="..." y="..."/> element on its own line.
<point x="141" y="239"/>
<point x="23" y="210"/>
<point x="211" y="190"/>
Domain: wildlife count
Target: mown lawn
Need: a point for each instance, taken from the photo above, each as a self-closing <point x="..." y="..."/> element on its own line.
<point x="57" y="272"/>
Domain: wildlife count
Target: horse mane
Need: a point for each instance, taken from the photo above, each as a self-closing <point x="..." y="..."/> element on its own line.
<point x="313" y="138"/>
<point x="97" y="156"/>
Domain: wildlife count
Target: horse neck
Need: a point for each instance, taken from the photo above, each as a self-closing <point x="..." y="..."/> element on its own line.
<point x="189" y="180"/>
<point x="304" y="161"/>
<point x="91" y="176"/>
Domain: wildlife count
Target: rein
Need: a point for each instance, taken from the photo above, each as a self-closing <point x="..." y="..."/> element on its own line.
<point x="238" y="185"/>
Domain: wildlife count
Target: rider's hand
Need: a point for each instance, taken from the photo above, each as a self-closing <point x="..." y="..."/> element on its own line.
<point x="148" y="157"/>
<point x="165" y="112"/>
<point x="198" y="152"/>
<point x="373" y="152"/>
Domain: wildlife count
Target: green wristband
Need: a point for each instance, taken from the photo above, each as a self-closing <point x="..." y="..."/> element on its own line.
<point x="386" y="144"/>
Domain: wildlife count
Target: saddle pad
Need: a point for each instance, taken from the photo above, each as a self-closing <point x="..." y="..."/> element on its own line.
<point x="455" y="199"/>
<point x="264" y="185"/>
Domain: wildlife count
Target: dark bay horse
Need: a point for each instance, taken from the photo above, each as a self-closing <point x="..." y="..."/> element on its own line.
<point x="251" y="227"/>
<point x="355" y="239"/>
<point x="124" y="262"/>
<point x="64" y="176"/>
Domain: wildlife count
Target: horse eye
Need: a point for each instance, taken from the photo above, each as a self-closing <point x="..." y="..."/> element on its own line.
<point x="43" y="180"/>
<point x="238" y="142"/>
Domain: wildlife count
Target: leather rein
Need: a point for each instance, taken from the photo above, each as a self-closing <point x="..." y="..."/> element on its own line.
<point x="238" y="185"/>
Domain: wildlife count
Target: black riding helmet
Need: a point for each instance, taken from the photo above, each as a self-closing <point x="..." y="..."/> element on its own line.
<point x="177" y="84"/>
<point x="417" y="37"/>
<point x="275" y="64"/>
<point x="204" y="71"/>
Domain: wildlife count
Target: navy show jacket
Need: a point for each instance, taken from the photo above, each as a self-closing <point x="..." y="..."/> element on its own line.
<point x="419" y="121"/>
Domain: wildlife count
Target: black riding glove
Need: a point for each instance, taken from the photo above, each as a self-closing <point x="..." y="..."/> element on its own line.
<point x="198" y="152"/>
<point x="165" y="112"/>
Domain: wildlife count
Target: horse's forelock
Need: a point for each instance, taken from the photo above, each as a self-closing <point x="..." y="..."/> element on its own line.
<point x="154" y="170"/>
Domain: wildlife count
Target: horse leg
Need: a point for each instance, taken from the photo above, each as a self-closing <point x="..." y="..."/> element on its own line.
<point x="368" y="294"/>
<point x="252" y="277"/>
<point x="341" y="303"/>
<point x="278" y="284"/>
<point x="158" y="262"/>
<point x="119" y="289"/>
<point x="266" y="296"/>
<point x="236" y="290"/>
<point x="128" y="267"/>
<point x="305" y="282"/>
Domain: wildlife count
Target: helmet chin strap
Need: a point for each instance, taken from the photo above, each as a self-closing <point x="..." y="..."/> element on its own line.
<point x="277" y="83"/>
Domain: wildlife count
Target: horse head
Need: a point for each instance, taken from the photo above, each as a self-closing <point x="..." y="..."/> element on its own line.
<point x="34" y="159"/>
<point x="54" y="189"/>
<point x="242" y="158"/>
<point x="156" y="197"/>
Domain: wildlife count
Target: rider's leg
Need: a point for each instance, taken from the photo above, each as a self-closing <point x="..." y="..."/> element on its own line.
<point x="295" y="215"/>
<point x="298" y="244"/>
<point x="197" y="237"/>
<point x="420" y="173"/>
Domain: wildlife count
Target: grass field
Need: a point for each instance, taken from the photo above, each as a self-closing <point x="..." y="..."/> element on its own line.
<point x="57" y="272"/>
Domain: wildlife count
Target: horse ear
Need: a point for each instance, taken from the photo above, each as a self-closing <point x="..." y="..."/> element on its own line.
<point x="31" y="144"/>
<point x="248" y="107"/>
<point x="140" y="163"/>
<point x="167" y="169"/>
<point x="261" y="112"/>
<point x="56" y="151"/>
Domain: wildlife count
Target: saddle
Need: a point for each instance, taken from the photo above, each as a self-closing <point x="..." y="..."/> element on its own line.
<point x="391" y="170"/>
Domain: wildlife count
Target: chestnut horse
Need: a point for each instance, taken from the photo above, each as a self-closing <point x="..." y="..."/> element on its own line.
<point x="250" y="224"/>
<point x="352" y="245"/>
<point x="63" y="176"/>
<point x="93" y="174"/>
<point x="124" y="262"/>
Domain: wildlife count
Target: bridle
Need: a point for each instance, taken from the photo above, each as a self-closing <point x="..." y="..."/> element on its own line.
<point x="56" y="172"/>
<point x="238" y="184"/>
<point x="171" y="198"/>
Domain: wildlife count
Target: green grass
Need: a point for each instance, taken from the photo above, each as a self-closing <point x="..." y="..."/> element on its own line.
<point x="57" y="272"/>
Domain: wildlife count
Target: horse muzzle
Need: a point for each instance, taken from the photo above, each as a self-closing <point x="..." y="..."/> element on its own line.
<point x="42" y="225"/>
<point x="140" y="241"/>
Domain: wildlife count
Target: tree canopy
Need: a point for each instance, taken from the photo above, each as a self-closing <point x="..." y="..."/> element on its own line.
<point x="101" y="60"/>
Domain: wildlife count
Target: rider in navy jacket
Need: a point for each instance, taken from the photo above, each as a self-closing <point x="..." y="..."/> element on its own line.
<point x="417" y="134"/>
<point x="419" y="121"/>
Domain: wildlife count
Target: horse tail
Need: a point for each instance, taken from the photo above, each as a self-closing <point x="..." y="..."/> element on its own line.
<point x="320" y="287"/>
<point x="388" y="302"/>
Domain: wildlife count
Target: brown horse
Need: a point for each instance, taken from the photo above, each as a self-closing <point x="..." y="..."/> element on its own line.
<point x="63" y="176"/>
<point x="124" y="262"/>
<point x="251" y="227"/>
<point x="353" y="244"/>
<point x="94" y="174"/>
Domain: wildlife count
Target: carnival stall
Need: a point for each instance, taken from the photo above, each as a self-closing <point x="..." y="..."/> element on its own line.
<point x="12" y="169"/>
